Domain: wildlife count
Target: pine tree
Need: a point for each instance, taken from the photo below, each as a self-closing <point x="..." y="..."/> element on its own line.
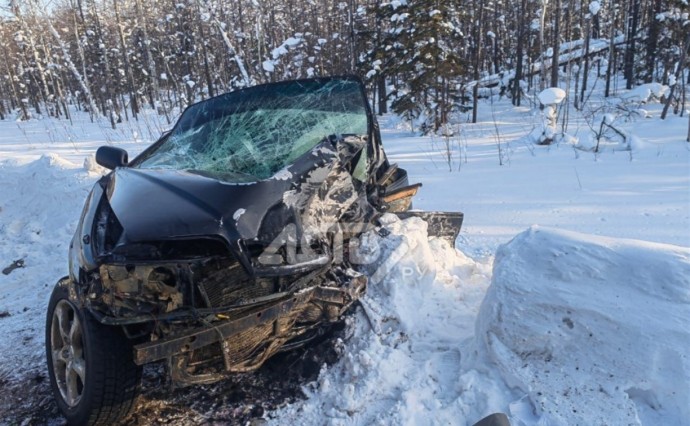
<point x="422" y="50"/>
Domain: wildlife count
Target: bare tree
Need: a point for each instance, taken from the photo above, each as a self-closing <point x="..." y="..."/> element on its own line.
<point x="125" y="60"/>
<point x="79" y="77"/>
<point x="680" y="70"/>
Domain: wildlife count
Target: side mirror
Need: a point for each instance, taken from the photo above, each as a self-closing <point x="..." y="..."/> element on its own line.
<point x="111" y="157"/>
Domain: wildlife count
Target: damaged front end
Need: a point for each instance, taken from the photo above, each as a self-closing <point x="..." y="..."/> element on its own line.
<point x="228" y="240"/>
<point x="243" y="320"/>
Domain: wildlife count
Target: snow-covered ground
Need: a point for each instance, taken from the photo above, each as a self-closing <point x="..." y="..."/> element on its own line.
<point x="583" y="319"/>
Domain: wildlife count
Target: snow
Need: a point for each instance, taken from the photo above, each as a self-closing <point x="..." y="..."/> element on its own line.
<point x="593" y="330"/>
<point x="445" y="335"/>
<point x="397" y="3"/>
<point x="283" y="174"/>
<point x="283" y="49"/>
<point x="38" y="206"/>
<point x="594" y="8"/>
<point x="292" y="41"/>
<point x="551" y="96"/>
<point x="238" y="214"/>
<point x="404" y="371"/>
<point x="568" y="51"/>
<point x="268" y="65"/>
<point x="279" y="51"/>
<point x="646" y="92"/>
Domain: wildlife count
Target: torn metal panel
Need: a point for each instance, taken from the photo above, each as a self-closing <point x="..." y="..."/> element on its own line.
<point x="444" y="225"/>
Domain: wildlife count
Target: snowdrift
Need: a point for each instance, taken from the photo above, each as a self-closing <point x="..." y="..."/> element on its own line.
<point x="594" y="330"/>
<point x="574" y="329"/>
<point x="403" y="362"/>
<point x="39" y="203"/>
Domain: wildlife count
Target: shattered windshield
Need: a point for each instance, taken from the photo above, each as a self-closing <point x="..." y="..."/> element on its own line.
<point x="252" y="134"/>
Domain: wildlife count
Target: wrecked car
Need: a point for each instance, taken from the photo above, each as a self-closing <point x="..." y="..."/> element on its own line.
<point x="223" y="243"/>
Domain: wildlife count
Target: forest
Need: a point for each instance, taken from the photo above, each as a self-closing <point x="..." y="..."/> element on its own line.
<point x="425" y="59"/>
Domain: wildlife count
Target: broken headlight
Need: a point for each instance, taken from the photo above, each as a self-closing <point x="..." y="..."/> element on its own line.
<point x="107" y="230"/>
<point x="131" y="290"/>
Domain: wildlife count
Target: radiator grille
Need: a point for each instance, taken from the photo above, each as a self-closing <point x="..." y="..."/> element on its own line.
<point x="225" y="282"/>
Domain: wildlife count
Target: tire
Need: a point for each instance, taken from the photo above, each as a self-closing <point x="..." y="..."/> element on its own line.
<point x="90" y="365"/>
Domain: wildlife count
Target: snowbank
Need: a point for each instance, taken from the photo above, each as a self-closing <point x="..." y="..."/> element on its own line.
<point x="594" y="330"/>
<point x="574" y="329"/>
<point x="39" y="206"/>
<point x="402" y="364"/>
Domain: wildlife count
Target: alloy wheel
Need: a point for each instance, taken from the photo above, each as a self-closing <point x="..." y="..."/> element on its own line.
<point x="67" y="350"/>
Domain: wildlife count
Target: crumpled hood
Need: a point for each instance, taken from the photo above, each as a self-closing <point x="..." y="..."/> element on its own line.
<point x="155" y="205"/>
<point x="164" y="204"/>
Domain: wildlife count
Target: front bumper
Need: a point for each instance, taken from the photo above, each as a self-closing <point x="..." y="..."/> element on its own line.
<point x="280" y="316"/>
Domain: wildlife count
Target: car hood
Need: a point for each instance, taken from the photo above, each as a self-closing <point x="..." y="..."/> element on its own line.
<point x="155" y="205"/>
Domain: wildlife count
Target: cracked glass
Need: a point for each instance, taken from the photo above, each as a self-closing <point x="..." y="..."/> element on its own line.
<point x="252" y="134"/>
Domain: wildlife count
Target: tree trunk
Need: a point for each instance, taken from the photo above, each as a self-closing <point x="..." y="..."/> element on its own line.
<point x="83" y="76"/>
<point x="542" y="22"/>
<point x="612" y="56"/>
<point x="479" y="20"/>
<point x="61" y="97"/>
<point x="652" y="40"/>
<point x="110" y="97"/>
<point x="679" y="70"/>
<point x="633" y="18"/>
<point x="585" y="72"/>
<point x="148" y="57"/>
<point x="683" y="92"/>
<point x="494" y="44"/>
<point x="556" y="43"/>
<point x="517" y="92"/>
<point x="204" y="51"/>
<point x="2" y="103"/>
<point x="383" y="97"/>
<point x="14" y="98"/>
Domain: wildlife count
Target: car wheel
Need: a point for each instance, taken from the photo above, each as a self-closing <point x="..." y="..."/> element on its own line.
<point x="91" y="368"/>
